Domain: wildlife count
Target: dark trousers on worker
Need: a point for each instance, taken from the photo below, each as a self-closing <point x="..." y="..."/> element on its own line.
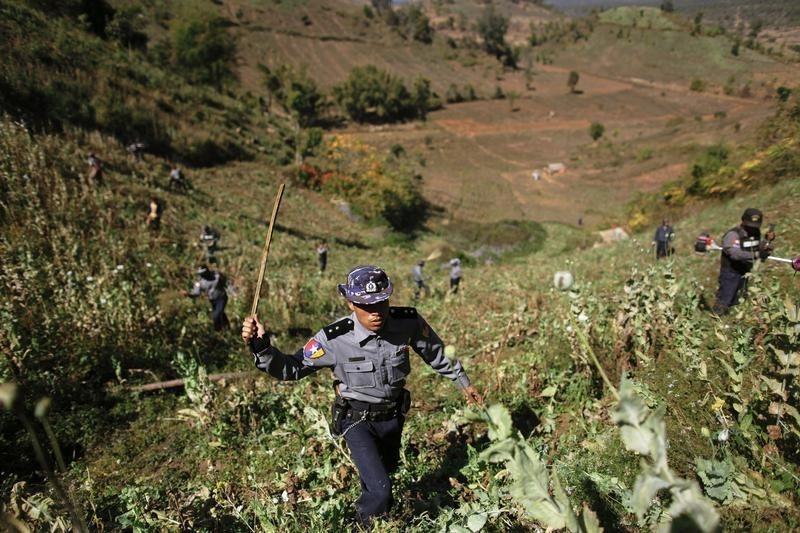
<point x="218" y="313"/>
<point x="662" y="249"/>
<point x="454" y="282"/>
<point x="375" y="449"/>
<point x="732" y="285"/>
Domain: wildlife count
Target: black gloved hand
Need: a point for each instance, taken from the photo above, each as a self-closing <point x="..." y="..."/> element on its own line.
<point x="764" y="251"/>
<point x="259" y="345"/>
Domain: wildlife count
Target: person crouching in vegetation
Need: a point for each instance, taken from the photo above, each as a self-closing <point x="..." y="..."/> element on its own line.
<point x="369" y="354"/>
<point x="214" y="284"/>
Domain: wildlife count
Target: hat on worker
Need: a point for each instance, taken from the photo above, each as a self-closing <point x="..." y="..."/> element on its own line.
<point x="752" y="217"/>
<point x="366" y="284"/>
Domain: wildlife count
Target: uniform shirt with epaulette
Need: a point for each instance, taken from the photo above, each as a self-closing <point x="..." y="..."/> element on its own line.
<point x="372" y="366"/>
<point x="739" y="250"/>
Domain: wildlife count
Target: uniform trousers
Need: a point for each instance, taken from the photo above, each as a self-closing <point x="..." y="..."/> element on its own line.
<point x="731" y="286"/>
<point x="454" y="284"/>
<point x="218" y="313"/>
<point x="375" y="449"/>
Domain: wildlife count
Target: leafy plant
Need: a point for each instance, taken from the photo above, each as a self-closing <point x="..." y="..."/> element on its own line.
<point x="531" y="482"/>
<point x="643" y="431"/>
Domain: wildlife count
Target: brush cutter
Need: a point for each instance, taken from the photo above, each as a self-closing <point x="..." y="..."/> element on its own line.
<point x="712" y="246"/>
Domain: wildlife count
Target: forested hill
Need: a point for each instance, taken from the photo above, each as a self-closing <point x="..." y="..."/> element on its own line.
<point x="619" y="402"/>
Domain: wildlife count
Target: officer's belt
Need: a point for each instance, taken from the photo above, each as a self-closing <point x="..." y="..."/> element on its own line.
<point x="356" y="405"/>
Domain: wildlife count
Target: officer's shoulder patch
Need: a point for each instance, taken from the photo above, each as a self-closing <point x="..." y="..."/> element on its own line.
<point x="403" y="312"/>
<point x="338" y="328"/>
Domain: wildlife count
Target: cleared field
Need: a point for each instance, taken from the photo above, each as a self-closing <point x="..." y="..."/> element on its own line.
<point x="480" y="156"/>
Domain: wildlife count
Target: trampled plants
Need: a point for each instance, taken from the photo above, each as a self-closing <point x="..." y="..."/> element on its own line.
<point x="531" y="483"/>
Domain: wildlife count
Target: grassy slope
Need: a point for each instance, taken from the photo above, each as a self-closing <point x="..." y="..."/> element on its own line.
<point x="225" y="463"/>
<point x="256" y="438"/>
<point x="490" y="335"/>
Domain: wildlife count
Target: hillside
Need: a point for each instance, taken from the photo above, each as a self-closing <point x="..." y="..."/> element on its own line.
<point x="621" y="403"/>
<point x="226" y="455"/>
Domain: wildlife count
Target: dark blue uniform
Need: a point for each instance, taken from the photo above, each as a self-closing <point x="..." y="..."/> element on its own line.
<point x="371" y="369"/>
<point x="214" y="285"/>
<point x="664" y="234"/>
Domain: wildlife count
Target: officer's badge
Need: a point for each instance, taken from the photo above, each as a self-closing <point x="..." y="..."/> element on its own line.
<point x="313" y="350"/>
<point x="371" y="287"/>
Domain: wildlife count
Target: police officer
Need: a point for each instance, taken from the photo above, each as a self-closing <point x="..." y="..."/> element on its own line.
<point x="369" y="354"/>
<point x="664" y="235"/>
<point x="208" y="238"/>
<point x="741" y="246"/>
<point x="214" y="285"/>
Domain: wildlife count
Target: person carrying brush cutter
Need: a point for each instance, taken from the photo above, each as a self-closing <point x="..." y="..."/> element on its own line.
<point x="369" y="353"/>
<point x="741" y="246"/>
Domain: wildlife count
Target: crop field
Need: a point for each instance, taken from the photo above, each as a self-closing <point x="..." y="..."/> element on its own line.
<point x="480" y="156"/>
<point x="617" y="403"/>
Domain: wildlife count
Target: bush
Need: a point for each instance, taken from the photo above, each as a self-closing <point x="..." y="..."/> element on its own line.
<point x="412" y="23"/>
<point x="697" y="85"/>
<point x="596" y="130"/>
<point x="378" y="190"/>
<point x="373" y="95"/>
<point x="453" y="96"/>
<point x="202" y="50"/>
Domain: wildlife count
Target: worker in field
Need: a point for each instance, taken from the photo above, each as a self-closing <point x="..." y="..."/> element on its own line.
<point x="208" y="239"/>
<point x="369" y="353"/>
<point x="95" y="169"/>
<point x="663" y="239"/>
<point x="419" y="280"/>
<point x="741" y="246"/>
<point x="455" y="274"/>
<point x="154" y="211"/>
<point x="322" y="255"/>
<point x="177" y="181"/>
<point x="214" y="285"/>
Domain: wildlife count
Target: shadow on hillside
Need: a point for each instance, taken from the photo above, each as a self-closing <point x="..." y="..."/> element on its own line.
<point x="606" y="514"/>
<point x="435" y="491"/>
<point x="439" y="489"/>
<point x="310" y="236"/>
<point x="525" y="420"/>
<point x="352" y="243"/>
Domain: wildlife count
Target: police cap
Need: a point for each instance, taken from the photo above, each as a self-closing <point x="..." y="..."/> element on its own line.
<point x="366" y="284"/>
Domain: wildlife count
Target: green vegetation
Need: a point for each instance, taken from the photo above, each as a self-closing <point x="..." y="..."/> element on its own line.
<point x="492" y="28"/>
<point x="374" y="95"/>
<point x="202" y="50"/>
<point x="596" y="130"/>
<point x="589" y="391"/>
<point x="718" y="173"/>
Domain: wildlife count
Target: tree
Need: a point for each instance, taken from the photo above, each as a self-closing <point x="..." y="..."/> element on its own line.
<point x="202" y="50"/>
<point x="127" y="27"/>
<point x="373" y="95"/>
<point x="492" y="28"/>
<point x="667" y="7"/>
<point x="414" y="24"/>
<point x="572" y="80"/>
